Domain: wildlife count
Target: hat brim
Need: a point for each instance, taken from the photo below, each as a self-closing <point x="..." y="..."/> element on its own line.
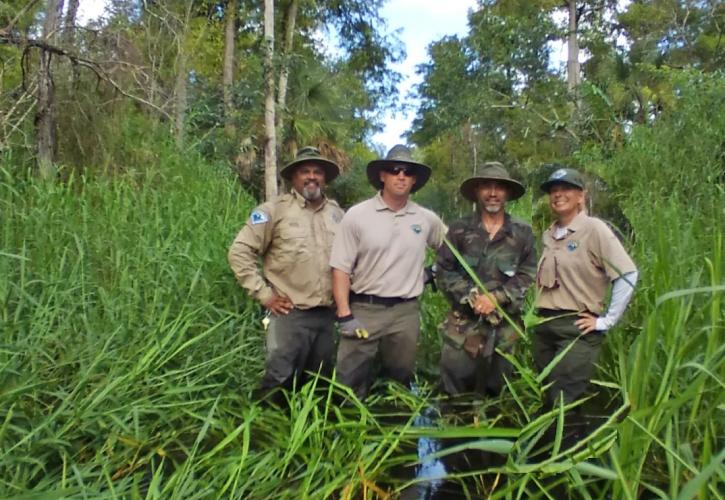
<point x="331" y="169"/>
<point x="422" y="173"/>
<point x="546" y="186"/>
<point x="468" y="187"/>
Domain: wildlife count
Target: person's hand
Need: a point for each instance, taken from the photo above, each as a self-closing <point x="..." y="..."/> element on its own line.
<point x="586" y="323"/>
<point x="484" y="305"/>
<point x="351" y="328"/>
<point x="279" y="304"/>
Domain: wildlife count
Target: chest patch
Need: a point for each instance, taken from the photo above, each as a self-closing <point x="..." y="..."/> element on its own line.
<point x="258" y="217"/>
<point x="416" y="228"/>
<point x="572" y="245"/>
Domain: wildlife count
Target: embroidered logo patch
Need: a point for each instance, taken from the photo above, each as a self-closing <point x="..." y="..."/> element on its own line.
<point x="258" y="217"/>
<point x="336" y="217"/>
<point x="416" y="228"/>
<point x="558" y="174"/>
<point x="572" y="245"/>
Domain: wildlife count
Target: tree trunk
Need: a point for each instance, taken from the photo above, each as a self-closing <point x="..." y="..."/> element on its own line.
<point x="290" y="21"/>
<point x="180" y="98"/>
<point x="69" y="36"/>
<point x="45" y="115"/>
<point x="270" y="137"/>
<point x="573" y="78"/>
<point x="70" y="22"/>
<point x="180" y="87"/>
<point x="230" y="18"/>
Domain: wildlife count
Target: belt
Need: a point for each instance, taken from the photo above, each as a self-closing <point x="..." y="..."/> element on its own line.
<point x="547" y="313"/>
<point x="374" y="299"/>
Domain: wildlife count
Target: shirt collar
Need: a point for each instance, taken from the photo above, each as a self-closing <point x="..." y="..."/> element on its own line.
<point x="576" y="223"/>
<point x="380" y="205"/>
<point x="506" y="228"/>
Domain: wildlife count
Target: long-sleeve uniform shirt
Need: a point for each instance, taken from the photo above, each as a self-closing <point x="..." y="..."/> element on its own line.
<point x="577" y="268"/>
<point x="294" y="242"/>
<point x="506" y="265"/>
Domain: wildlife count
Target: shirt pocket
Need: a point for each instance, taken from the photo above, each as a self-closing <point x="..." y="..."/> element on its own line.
<point x="331" y="228"/>
<point x="293" y="241"/>
<point x="546" y="275"/>
<point x="507" y="268"/>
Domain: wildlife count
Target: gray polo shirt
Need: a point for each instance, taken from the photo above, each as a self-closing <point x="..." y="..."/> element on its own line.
<point x="384" y="251"/>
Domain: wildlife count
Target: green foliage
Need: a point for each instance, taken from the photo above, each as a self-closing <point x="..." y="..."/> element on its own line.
<point x="676" y="33"/>
<point x="129" y="353"/>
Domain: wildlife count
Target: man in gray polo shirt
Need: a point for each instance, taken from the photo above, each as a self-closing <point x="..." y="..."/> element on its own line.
<point x="377" y="272"/>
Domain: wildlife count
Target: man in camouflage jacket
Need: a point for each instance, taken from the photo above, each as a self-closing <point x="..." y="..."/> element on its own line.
<point x="500" y="250"/>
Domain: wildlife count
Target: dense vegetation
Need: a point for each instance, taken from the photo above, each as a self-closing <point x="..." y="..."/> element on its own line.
<point x="128" y="354"/>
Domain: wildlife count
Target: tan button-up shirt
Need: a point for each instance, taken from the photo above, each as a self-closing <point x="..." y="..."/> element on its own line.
<point x="294" y="243"/>
<point x="384" y="251"/>
<point x="575" y="271"/>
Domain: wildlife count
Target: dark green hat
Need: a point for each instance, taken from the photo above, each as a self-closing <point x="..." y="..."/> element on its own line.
<point x="311" y="154"/>
<point x="492" y="171"/>
<point x="398" y="155"/>
<point x="564" y="176"/>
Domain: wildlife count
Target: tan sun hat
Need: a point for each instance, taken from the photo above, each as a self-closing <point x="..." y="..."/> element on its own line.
<point x="398" y="155"/>
<point x="492" y="171"/>
<point x="310" y="154"/>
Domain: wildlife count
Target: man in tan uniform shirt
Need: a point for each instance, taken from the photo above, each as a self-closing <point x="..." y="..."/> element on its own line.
<point x="293" y="235"/>
<point x="377" y="260"/>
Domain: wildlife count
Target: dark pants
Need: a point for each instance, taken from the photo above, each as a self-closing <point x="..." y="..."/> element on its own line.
<point x="394" y="332"/>
<point x="570" y="377"/>
<point x="303" y="340"/>
<point x="462" y="373"/>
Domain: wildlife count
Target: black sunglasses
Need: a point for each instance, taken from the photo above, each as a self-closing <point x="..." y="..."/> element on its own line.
<point x="407" y="171"/>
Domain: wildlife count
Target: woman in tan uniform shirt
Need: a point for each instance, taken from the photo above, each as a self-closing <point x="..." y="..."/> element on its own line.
<point x="581" y="258"/>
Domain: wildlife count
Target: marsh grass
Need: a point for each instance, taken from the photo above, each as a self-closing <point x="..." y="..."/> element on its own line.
<point x="128" y="354"/>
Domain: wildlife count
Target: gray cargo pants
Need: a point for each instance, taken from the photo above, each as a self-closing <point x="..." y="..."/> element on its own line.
<point x="394" y="332"/>
<point x="303" y="340"/>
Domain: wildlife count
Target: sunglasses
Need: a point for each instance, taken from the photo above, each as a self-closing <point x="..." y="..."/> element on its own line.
<point x="407" y="171"/>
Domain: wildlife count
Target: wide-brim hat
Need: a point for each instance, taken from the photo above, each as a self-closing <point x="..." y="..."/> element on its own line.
<point x="492" y="171"/>
<point x="398" y="155"/>
<point x="564" y="175"/>
<point x="311" y="154"/>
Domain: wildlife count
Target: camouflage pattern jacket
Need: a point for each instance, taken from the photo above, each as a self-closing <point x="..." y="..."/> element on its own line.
<point x="505" y="265"/>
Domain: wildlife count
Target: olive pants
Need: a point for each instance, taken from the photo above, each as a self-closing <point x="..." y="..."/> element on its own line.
<point x="571" y="376"/>
<point x="300" y="341"/>
<point x="462" y="373"/>
<point x="394" y="332"/>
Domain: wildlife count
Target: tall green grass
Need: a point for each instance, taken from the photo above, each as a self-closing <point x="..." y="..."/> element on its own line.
<point x="128" y="353"/>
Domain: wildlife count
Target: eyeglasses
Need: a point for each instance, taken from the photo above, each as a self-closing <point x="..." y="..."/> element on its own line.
<point x="407" y="171"/>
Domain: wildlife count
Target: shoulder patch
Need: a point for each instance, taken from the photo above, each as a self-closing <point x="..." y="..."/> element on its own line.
<point x="258" y="217"/>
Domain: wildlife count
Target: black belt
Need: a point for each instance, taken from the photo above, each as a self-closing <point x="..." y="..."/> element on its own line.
<point x="374" y="299"/>
<point x="547" y="313"/>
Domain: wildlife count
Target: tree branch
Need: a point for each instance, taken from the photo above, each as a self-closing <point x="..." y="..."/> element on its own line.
<point x="94" y="66"/>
